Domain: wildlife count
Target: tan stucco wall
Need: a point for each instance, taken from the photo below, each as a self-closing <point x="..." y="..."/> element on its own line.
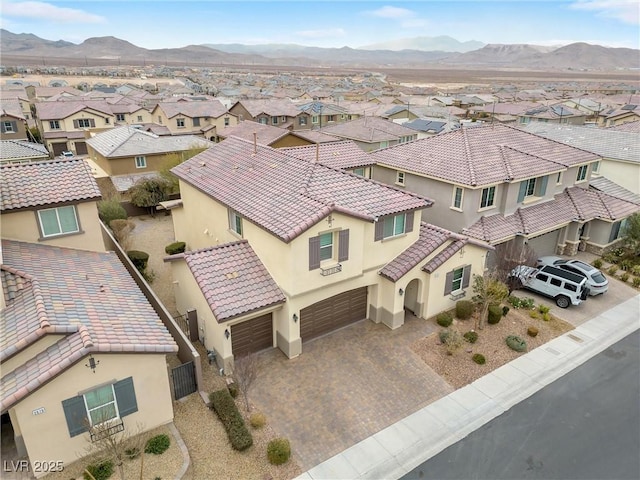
<point x="127" y="165"/>
<point x="23" y="226"/>
<point x="46" y="436"/>
<point x="28" y="353"/>
<point x="290" y="141"/>
<point x="66" y="124"/>
<point x="625" y="174"/>
<point x="21" y="131"/>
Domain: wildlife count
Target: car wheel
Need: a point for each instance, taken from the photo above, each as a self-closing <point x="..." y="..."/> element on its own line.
<point x="562" y="301"/>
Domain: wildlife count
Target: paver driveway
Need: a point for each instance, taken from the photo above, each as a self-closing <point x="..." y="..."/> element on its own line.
<point x="345" y="387"/>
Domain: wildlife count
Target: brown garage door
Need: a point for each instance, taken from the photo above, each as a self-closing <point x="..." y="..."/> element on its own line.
<point x="252" y="336"/>
<point x="333" y="313"/>
<point x="58" y="148"/>
<point x="81" y="148"/>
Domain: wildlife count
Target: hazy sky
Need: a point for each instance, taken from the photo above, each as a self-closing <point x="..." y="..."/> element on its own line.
<point x="324" y="23"/>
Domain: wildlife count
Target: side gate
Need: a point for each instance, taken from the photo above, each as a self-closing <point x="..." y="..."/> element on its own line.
<point x="184" y="380"/>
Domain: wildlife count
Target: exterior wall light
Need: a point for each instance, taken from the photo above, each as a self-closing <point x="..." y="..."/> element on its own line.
<point x="401" y="292"/>
<point x="295" y="318"/>
<point x="226" y="333"/>
<point x="93" y="363"/>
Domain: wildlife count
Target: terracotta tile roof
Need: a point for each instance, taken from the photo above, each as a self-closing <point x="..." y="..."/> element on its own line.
<point x="64" y="109"/>
<point x="483" y="155"/>
<point x="17" y="149"/>
<point x="284" y="194"/>
<point x="573" y="204"/>
<point x="431" y="239"/>
<point x="233" y="280"/>
<point x="88" y="296"/>
<point x="209" y="108"/>
<point x="369" y="130"/>
<point x="342" y="155"/>
<point x="265" y="134"/>
<point x="271" y="107"/>
<point x="316" y="136"/>
<point x="11" y="107"/>
<point x="127" y="141"/>
<point x="603" y="184"/>
<point x="46" y="183"/>
<point x="633" y="127"/>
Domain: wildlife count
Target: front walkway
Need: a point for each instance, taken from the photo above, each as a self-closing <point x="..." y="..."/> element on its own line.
<point x="345" y="387"/>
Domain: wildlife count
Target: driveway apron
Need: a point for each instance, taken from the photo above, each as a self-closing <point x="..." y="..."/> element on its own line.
<point x="345" y="386"/>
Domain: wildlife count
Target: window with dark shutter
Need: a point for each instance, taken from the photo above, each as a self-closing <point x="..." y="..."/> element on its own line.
<point x="543" y="186"/>
<point x="448" y="283"/>
<point x="76" y="415"/>
<point x="523" y="191"/>
<point x="343" y="245"/>
<point x="92" y="122"/>
<point x="379" y="230"/>
<point x="408" y="224"/>
<point x="466" y="275"/>
<point x="314" y="253"/>
<point x="125" y="397"/>
<point x="75" y="124"/>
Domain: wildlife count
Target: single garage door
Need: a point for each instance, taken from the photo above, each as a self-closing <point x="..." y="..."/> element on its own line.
<point x="81" y="148"/>
<point x="333" y="313"/>
<point x="58" y="148"/>
<point x="545" y="244"/>
<point x="252" y="336"/>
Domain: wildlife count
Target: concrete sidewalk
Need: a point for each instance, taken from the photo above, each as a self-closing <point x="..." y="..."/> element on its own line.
<point x="396" y="450"/>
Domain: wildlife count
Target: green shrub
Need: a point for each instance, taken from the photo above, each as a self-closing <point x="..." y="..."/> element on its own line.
<point x="464" y="309"/>
<point x="521" y="303"/>
<point x="453" y="342"/>
<point x="546" y="316"/>
<point x="543" y="309"/>
<point x="495" y="314"/>
<point x="99" y="471"/>
<point x="233" y="389"/>
<point x="534" y="314"/>
<point x="624" y="277"/>
<point x="175" y="247"/>
<point x="471" y="337"/>
<point x="132" y="453"/>
<point x="443" y="335"/>
<point x="111" y="209"/>
<point x="532" y="331"/>
<point x="257" y="420"/>
<point x="516" y="343"/>
<point x="444" y="319"/>
<point x="479" y="358"/>
<point x="625" y="264"/>
<point x="635" y="270"/>
<point x="227" y="411"/>
<point x="505" y="311"/>
<point x="139" y="259"/>
<point x="158" y="444"/>
<point x="636" y="282"/>
<point x="278" y="451"/>
<point x="612" y="270"/>
<point x="597" y="263"/>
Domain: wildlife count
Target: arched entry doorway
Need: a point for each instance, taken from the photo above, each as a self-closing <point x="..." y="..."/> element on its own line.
<point x="411" y="295"/>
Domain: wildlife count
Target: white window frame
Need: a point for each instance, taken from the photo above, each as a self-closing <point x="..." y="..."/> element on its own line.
<point x="263" y="120"/>
<point x="493" y="199"/>
<point x="54" y="125"/>
<point x="458" y="280"/>
<point x="583" y="171"/>
<point x="141" y="161"/>
<point x="274" y="120"/>
<point x="400" y="177"/>
<point x="120" y="117"/>
<point x="283" y="119"/>
<point x="324" y="256"/>
<point x="530" y="190"/>
<point x="227" y="121"/>
<point x="359" y="171"/>
<point x="114" y="402"/>
<point x="8" y="127"/>
<point x="139" y="118"/>
<point x="302" y="121"/>
<point x="454" y="197"/>
<point x="314" y="119"/>
<point x="395" y="231"/>
<point x="84" y="123"/>
<point x="559" y="178"/>
<point x="596" y="167"/>
<point x="60" y="230"/>
<point x="180" y="122"/>
<point x="331" y="118"/>
<point x="235" y="222"/>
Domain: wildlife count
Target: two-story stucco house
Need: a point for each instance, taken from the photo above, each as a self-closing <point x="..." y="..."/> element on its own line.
<point x="13" y="124"/>
<point x="198" y="117"/>
<point x="281" y="113"/>
<point x="372" y="133"/>
<point x="497" y="183"/>
<point x="282" y="250"/>
<point x="265" y="134"/>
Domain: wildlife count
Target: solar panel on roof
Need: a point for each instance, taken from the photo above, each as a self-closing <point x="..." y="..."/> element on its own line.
<point x="629" y="107"/>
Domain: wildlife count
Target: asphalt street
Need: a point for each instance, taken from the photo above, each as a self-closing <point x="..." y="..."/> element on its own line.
<point x="585" y="425"/>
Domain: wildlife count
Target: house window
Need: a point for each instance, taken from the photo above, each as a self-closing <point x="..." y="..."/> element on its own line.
<point x="58" y="221"/>
<point x="384" y="144"/>
<point x="107" y="120"/>
<point x="274" y="120"/>
<point x="141" y="162"/>
<point x="120" y="117"/>
<point x="596" y="167"/>
<point x="196" y="121"/>
<point x="226" y="121"/>
<point x="263" y="120"/>
<point x="101" y="405"/>
<point x="7" y="127"/>
<point x="139" y="118"/>
<point x="530" y="187"/>
<point x="582" y="173"/>
<point x="302" y="121"/>
<point x="359" y="171"/>
<point x="314" y="119"/>
<point x="488" y="197"/>
<point x="393" y="225"/>
<point x="159" y="119"/>
<point x="180" y="122"/>
<point x="84" y="123"/>
<point x="457" y="279"/>
<point x="617" y="230"/>
<point x="235" y="222"/>
<point x="283" y="118"/>
<point x="54" y="124"/>
<point x="326" y="246"/>
<point x="457" y="198"/>
<point x="331" y="118"/>
<point x="399" y="177"/>
<point x="559" y="178"/>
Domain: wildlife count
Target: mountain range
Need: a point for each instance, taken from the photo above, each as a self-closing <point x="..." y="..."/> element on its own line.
<point x="443" y="51"/>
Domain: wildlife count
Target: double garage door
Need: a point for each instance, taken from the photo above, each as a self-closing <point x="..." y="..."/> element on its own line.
<point x="252" y="336"/>
<point x="333" y="313"/>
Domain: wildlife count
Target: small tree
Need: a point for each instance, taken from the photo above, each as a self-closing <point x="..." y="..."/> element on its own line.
<point x="245" y="372"/>
<point x="631" y="236"/>
<point x="508" y="256"/>
<point x="149" y="192"/>
<point x="487" y="290"/>
<point x="173" y="160"/>
<point x="111" y="209"/>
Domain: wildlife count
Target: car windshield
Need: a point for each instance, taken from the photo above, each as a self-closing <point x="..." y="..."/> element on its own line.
<point x="598" y="278"/>
<point x="559" y="262"/>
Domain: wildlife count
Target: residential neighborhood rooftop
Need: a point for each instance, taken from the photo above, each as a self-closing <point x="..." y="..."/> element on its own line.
<point x="18" y="149"/>
<point x="369" y="129"/>
<point x="342" y="155"/>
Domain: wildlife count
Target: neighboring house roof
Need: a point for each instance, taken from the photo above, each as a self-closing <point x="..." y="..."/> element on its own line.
<point x="28" y="185"/>
<point x="483" y="155"/>
<point x="127" y="141"/>
<point x="427" y="126"/>
<point x="11" y="107"/>
<point x="208" y="108"/>
<point x="369" y="130"/>
<point x="607" y="143"/>
<point x="431" y="239"/>
<point x="271" y="107"/>
<point x="321" y="108"/>
<point x="573" y="204"/>
<point x="126" y="181"/>
<point x="286" y="195"/>
<point x="233" y="280"/>
<point x="61" y="110"/>
<point x="557" y="111"/>
<point x="16" y="149"/>
<point x="89" y="297"/>
<point x="265" y="134"/>
<point x="626" y="127"/>
<point x="609" y="187"/>
<point x="316" y="136"/>
<point x="342" y="155"/>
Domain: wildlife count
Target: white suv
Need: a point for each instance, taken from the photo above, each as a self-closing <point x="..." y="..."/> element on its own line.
<point x="566" y="288"/>
<point x="596" y="281"/>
